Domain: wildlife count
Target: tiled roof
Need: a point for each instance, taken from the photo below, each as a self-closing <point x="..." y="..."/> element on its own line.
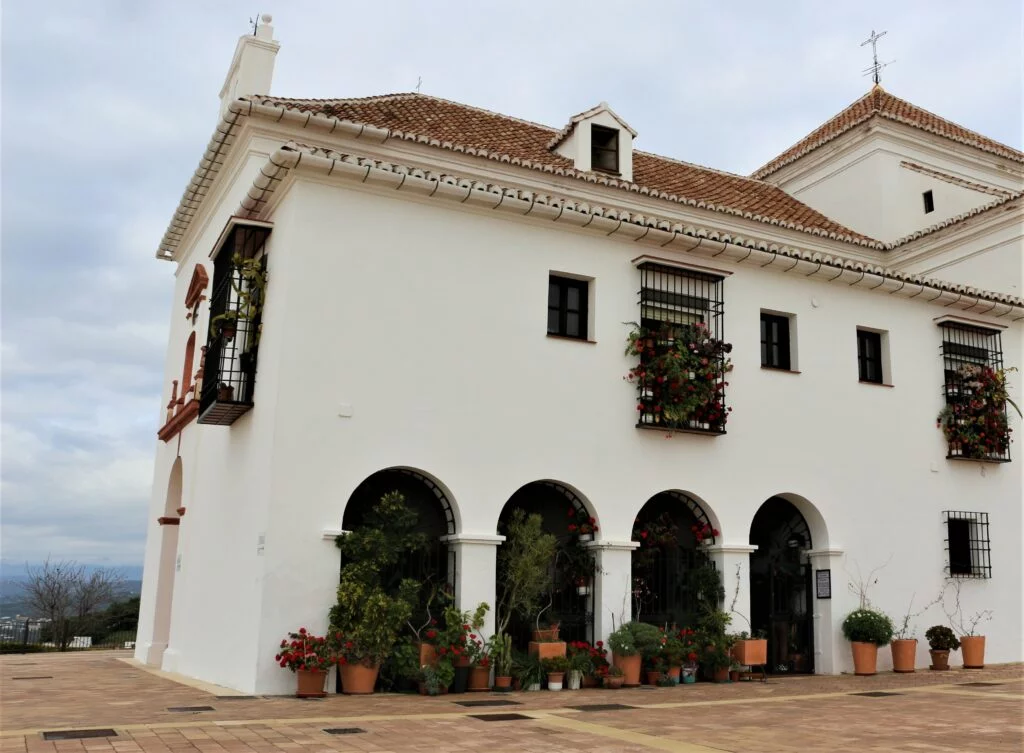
<point x="879" y="102"/>
<point x="983" y="209"/>
<point x="468" y="129"/>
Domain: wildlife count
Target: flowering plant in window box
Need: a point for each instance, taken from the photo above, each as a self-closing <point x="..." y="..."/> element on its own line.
<point x="680" y="377"/>
<point x="975" y="423"/>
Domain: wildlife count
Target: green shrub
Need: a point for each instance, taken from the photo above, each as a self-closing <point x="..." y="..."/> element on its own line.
<point x="868" y="626"/>
<point x="941" y="638"/>
<point x="556" y="664"/>
<point x="636" y="638"/>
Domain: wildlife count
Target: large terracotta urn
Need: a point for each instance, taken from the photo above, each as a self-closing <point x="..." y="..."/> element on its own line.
<point x="865" y="658"/>
<point x="630" y="666"/>
<point x="972" y="648"/>
<point x="904" y="654"/>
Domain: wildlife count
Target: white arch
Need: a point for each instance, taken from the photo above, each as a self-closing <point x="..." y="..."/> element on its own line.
<point x="449" y="498"/>
<point x="583" y="499"/>
<point x="815" y="520"/>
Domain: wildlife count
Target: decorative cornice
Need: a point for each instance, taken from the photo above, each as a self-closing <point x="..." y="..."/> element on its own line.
<point x="487" y="539"/>
<point x="168" y="521"/>
<point x="183" y="418"/>
<point x="954" y="180"/>
<point x="196" y="286"/>
<point x="648" y="229"/>
<point x="955" y="220"/>
<point x="626" y="546"/>
<point x="830" y="551"/>
<point x="731" y="548"/>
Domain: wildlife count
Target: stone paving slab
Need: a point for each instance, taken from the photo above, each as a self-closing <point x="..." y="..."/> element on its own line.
<point x="931" y="712"/>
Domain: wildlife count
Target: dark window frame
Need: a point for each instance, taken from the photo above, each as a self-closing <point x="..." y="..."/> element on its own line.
<point x="780" y="340"/>
<point x="968" y="547"/>
<point x="599" y="147"/>
<point x="562" y="309"/>
<point x="929" y="202"/>
<point x="870" y="366"/>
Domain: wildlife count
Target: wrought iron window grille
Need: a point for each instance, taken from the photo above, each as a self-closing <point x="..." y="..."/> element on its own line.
<point x="671" y="299"/>
<point x="968" y="551"/>
<point x="230" y="366"/>
<point x="968" y="352"/>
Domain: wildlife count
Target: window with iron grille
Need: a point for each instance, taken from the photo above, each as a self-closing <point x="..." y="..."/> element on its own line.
<point x="869" y="356"/>
<point x="775" y="352"/>
<point x="682" y="310"/>
<point x="975" y="420"/>
<point x="229" y="369"/>
<point x="567" y="307"/>
<point x="604" y="149"/>
<point x="968" y="554"/>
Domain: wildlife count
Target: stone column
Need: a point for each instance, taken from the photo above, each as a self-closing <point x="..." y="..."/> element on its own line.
<point x="733" y="563"/>
<point x="476" y="568"/>
<point x="831" y="651"/>
<point x="613" y="592"/>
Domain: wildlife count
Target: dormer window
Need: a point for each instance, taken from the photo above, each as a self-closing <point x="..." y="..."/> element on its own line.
<point x="604" y="149"/>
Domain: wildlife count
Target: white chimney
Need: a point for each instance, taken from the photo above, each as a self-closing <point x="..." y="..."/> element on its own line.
<point x="252" y="67"/>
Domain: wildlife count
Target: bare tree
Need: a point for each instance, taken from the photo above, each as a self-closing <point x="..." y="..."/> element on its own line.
<point x="67" y="596"/>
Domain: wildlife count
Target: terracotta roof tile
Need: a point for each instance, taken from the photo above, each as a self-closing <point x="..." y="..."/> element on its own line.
<point x="879" y="102"/>
<point x="523" y="141"/>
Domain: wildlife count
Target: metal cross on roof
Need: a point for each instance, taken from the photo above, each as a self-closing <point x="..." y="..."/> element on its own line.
<point x="875" y="69"/>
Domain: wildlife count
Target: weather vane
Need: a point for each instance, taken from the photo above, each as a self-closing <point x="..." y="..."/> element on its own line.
<point x="419" y="83"/>
<point x="255" y="21"/>
<point x="875" y="69"/>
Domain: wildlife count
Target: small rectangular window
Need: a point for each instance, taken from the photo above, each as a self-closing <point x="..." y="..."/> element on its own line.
<point x="967" y="544"/>
<point x="775" y="352"/>
<point x="567" y="307"/>
<point x="604" y="149"/>
<point x="869" y="356"/>
<point x="929" y="202"/>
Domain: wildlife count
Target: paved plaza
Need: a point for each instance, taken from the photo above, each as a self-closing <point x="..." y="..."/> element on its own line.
<point x="956" y="711"/>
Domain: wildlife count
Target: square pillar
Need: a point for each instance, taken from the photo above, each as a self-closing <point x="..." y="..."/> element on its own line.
<point x="732" y="561"/>
<point x="476" y="570"/>
<point x="831" y="651"/>
<point x="613" y="585"/>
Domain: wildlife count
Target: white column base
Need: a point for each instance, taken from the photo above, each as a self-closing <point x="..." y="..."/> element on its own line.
<point x="170" y="661"/>
<point x="831" y="651"/>
<point x="613" y="589"/>
<point x="152" y="654"/>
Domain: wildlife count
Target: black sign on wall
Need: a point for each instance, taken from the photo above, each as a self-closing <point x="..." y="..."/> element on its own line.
<point x="823" y="583"/>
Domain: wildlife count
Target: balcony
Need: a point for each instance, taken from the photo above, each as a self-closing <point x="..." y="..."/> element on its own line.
<point x="235" y="321"/>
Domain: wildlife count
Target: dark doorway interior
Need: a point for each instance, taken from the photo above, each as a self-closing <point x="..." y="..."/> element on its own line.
<point x="572" y="610"/>
<point x="780" y="586"/>
<point x="664" y="587"/>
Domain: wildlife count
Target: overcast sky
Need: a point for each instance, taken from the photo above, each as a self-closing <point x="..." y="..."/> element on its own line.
<point x="107" y="107"/>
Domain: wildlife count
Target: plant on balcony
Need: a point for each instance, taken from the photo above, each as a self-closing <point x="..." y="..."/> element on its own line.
<point x="680" y="377"/>
<point x="975" y="423"/>
<point x="249" y="283"/>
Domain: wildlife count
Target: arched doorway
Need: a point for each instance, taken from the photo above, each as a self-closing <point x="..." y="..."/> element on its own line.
<point x="672" y="575"/>
<point x="168" y="567"/>
<point x="435" y="517"/>
<point x="562" y="510"/>
<point x="780" y="586"/>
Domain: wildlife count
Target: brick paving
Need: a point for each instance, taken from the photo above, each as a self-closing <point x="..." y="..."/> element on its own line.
<point x="931" y="711"/>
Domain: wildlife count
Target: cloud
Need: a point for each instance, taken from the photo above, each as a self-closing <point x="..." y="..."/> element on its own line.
<point x="108" y="106"/>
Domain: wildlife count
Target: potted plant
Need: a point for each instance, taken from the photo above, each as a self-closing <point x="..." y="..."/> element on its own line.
<point x="717" y="658"/>
<point x="458" y="640"/>
<point x="309" y="657"/>
<point x="613" y="677"/>
<point x="524" y="562"/>
<point x="581" y="663"/>
<point x="555" y="669"/>
<point x="500" y="650"/>
<point x="904" y="646"/>
<point x="673" y="654"/>
<point x="975" y="425"/>
<point x="867" y="629"/>
<point x="657" y="668"/>
<point x="972" y="645"/>
<point x="628" y="645"/>
<point x="224" y="326"/>
<point x="529" y="671"/>
<point x="369" y="613"/>
<point x="225" y="393"/>
<point x="748" y="649"/>
<point x="435" y="678"/>
<point x="941" y="640"/>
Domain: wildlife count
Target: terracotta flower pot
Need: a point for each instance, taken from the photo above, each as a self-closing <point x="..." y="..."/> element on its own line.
<point x="753" y="652"/>
<point x="653" y="676"/>
<point x="428" y="655"/>
<point x="972" y="647"/>
<point x="904" y="654"/>
<point x="502" y="683"/>
<point x="721" y="675"/>
<point x="358" y="679"/>
<point x="479" y="679"/>
<point x="630" y="666"/>
<point x="614" y="683"/>
<point x="865" y="658"/>
<point x="310" y="683"/>
<point x="940" y="660"/>
<point x="673" y="674"/>
<point x="590" y="682"/>
<point x="548" y="634"/>
<point x="440" y="691"/>
<point x="734" y="675"/>
<point x="555" y="680"/>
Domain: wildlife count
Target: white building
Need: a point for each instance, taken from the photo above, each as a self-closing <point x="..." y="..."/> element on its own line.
<point x="445" y="306"/>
